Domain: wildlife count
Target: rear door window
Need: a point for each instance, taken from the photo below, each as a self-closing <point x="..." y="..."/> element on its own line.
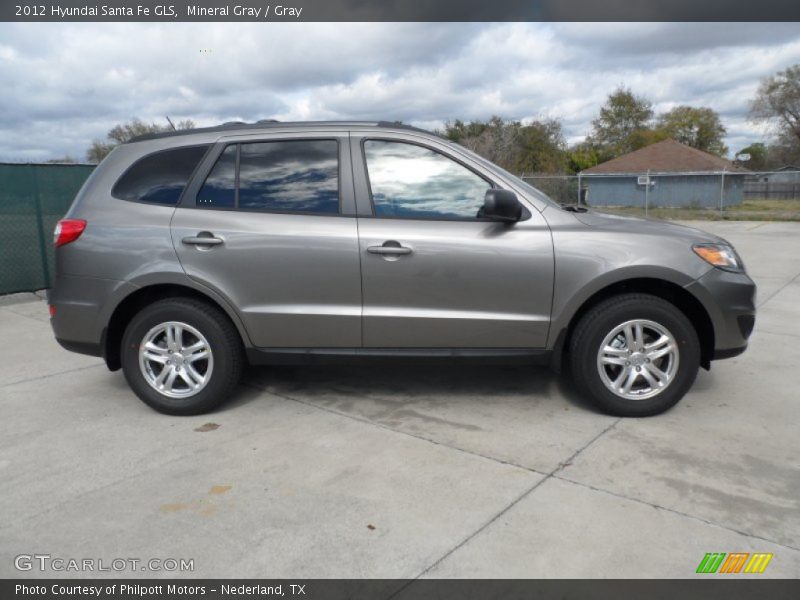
<point x="291" y="176"/>
<point x="159" y="178"/>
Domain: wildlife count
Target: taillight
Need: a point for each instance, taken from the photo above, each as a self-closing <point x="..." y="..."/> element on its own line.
<point x="68" y="230"/>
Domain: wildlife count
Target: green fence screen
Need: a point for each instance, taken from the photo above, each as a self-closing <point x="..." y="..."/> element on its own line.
<point x="32" y="200"/>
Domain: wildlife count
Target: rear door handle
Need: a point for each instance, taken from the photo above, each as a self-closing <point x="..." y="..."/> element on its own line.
<point x="390" y="248"/>
<point x="203" y="240"/>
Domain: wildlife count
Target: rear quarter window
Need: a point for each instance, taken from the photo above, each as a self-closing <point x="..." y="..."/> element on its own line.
<point x="159" y="178"/>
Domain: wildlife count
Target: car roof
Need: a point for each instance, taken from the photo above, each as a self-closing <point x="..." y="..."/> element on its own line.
<point x="267" y="124"/>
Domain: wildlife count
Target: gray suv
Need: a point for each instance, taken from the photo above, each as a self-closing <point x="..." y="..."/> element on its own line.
<point x="187" y="255"/>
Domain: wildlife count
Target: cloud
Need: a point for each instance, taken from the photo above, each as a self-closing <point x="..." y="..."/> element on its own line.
<point x="653" y="39"/>
<point x="66" y="84"/>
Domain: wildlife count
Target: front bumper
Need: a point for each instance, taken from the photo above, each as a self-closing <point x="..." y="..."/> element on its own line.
<point x="730" y="300"/>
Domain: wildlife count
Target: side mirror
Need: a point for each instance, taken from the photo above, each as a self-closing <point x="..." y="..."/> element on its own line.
<point x="502" y="205"/>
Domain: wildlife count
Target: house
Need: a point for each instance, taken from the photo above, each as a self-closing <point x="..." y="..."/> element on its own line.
<point x="786" y="174"/>
<point x="780" y="184"/>
<point x="666" y="173"/>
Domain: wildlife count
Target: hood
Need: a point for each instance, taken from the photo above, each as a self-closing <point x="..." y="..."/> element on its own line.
<point x="647" y="226"/>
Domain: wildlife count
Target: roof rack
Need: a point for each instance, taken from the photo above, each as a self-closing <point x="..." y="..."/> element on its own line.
<point x="401" y="125"/>
<point x="271" y="123"/>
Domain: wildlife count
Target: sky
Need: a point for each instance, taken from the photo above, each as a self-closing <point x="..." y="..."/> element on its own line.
<point x="64" y="85"/>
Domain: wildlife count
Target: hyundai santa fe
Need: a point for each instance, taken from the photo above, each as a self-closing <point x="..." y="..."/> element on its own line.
<point x="189" y="254"/>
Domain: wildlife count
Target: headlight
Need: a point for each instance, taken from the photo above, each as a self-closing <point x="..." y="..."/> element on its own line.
<point x="719" y="255"/>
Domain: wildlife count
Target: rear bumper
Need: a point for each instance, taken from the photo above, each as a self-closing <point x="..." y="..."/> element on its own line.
<point x="730" y="300"/>
<point x="82" y="347"/>
<point x="728" y="353"/>
<point x="82" y="310"/>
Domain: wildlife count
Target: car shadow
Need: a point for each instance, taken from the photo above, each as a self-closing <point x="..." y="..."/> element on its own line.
<point x="343" y="387"/>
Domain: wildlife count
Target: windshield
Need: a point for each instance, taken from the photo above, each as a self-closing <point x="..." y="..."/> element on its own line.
<point x="537" y="193"/>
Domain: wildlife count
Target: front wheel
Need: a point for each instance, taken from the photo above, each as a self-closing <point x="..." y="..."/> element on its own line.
<point x="635" y="355"/>
<point x="181" y="356"/>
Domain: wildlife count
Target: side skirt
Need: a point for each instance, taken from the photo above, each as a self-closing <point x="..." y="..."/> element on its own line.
<point x="349" y="356"/>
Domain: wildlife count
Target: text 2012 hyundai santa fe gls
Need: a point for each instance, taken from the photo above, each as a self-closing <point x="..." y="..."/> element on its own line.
<point x="186" y="255"/>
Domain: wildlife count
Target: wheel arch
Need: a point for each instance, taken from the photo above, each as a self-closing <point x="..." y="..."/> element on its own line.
<point x="139" y="298"/>
<point x="667" y="290"/>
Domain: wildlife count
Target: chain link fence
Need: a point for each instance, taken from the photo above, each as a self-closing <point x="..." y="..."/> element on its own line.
<point x="33" y="197"/>
<point x="765" y="195"/>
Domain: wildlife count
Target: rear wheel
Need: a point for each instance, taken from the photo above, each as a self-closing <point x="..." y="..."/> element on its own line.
<point x="182" y="356"/>
<point x="634" y="355"/>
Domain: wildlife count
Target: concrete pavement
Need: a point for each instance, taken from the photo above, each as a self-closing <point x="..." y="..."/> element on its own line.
<point x="402" y="472"/>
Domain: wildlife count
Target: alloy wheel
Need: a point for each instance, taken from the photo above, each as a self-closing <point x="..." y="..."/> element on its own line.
<point x="638" y="359"/>
<point x="176" y="359"/>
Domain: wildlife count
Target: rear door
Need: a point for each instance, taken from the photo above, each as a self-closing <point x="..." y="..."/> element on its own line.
<point x="435" y="274"/>
<point x="269" y="223"/>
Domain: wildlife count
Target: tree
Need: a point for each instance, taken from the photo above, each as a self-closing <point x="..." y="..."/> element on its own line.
<point x="64" y="160"/>
<point x="541" y="148"/>
<point x="777" y="102"/>
<point x="119" y="134"/>
<point x="581" y="157"/>
<point x="783" y="151"/>
<point x="620" y="118"/>
<point x="587" y="154"/>
<point x="495" y="139"/>
<point x="644" y="137"/>
<point x="537" y="147"/>
<point x="758" y="160"/>
<point x="699" y="128"/>
<point x="459" y="131"/>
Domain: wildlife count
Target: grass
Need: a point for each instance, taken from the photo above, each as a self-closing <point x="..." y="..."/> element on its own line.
<point x="748" y="210"/>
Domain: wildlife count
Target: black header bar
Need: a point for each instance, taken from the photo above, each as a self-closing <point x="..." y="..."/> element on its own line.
<point x="703" y="588"/>
<point x="400" y="10"/>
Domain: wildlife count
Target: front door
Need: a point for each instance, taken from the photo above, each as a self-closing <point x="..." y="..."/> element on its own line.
<point x="435" y="274"/>
<point x="266" y="229"/>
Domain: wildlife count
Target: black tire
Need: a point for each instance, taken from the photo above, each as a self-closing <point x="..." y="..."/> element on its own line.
<point x="600" y="321"/>
<point x="221" y="336"/>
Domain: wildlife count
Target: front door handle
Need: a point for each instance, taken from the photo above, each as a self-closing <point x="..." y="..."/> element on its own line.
<point x="204" y="238"/>
<point x="390" y="248"/>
